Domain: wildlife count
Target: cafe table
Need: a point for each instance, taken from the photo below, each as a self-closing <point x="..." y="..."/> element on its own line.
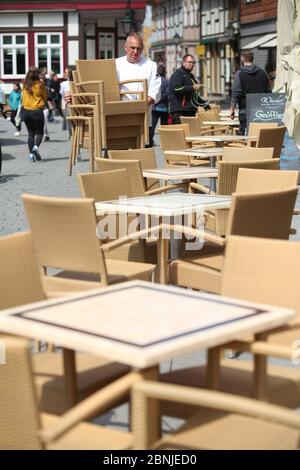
<point x="141" y="324"/>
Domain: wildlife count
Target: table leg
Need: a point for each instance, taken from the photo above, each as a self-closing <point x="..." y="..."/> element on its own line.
<point x="145" y="414"/>
<point x="70" y="382"/>
<point x="213" y="181"/>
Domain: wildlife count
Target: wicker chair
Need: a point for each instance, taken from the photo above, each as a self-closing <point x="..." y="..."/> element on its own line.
<point x="253" y="131"/>
<point x="226" y="184"/>
<point x="232" y="154"/>
<point x="146" y="158"/>
<point x="272" y="138"/>
<point x="20" y="283"/>
<point x="24" y="428"/>
<point x="135" y="176"/>
<point x="110" y="185"/>
<point x="249" y="215"/>
<point x="64" y="237"/>
<point x="174" y="139"/>
<point x="125" y="118"/>
<point x="223" y="421"/>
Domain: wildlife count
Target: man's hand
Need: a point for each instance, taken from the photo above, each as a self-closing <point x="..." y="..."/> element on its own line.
<point x="231" y="113"/>
<point x="150" y="100"/>
<point x="197" y="86"/>
<point x="68" y="97"/>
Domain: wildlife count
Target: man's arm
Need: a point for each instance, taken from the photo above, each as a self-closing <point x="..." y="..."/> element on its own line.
<point x="154" y="84"/>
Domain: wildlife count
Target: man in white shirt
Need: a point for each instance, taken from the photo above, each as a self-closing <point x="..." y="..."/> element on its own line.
<point x="134" y="66"/>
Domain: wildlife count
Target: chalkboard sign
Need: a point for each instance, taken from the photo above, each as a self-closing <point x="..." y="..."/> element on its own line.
<point x="267" y="107"/>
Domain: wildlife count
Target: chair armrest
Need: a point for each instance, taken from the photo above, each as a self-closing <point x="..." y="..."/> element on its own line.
<point x="131" y="92"/>
<point x="89" y="82"/>
<point x="163" y="189"/>
<point x="201" y="188"/>
<point x="94" y="95"/>
<point x="96" y="403"/>
<point x="134" y="80"/>
<point x="216" y="400"/>
<point x="263" y="348"/>
<point x="211" y="237"/>
<point x="129" y="238"/>
<point x="78" y="118"/>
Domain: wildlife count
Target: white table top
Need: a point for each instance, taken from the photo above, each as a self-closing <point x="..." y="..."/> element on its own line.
<point x="218" y="138"/>
<point x="221" y="123"/>
<point x="197" y="152"/>
<point x="139" y="323"/>
<point x="183" y="173"/>
<point x="169" y="205"/>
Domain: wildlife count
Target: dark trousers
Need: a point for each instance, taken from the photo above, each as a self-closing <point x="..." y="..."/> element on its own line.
<point x="243" y="124"/>
<point x="176" y="116"/>
<point x="156" y="115"/>
<point x="34" y="121"/>
<point x="13" y="117"/>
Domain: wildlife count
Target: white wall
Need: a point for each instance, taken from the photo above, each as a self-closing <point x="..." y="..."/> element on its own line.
<point x="73" y="26"/>
<point x="90" y="49"/>
<point x="13" y="20"/>
<point x="48" y="19"/>
<point x="73" y="52"/>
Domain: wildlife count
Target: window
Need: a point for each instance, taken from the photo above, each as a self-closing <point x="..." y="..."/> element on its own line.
<point x="49" y="51"/>
<point x="14" y="56"/>
<point x="106" y="45"/>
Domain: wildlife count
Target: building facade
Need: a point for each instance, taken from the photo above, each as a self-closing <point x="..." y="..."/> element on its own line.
<point x="258" y="31"/>
<point x="219" y="35"/>
<point x="55" y="34"/>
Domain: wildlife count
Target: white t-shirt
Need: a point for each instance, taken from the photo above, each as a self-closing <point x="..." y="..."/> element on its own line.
<point x="144" y="69"/>
<point x="64" y="87"/>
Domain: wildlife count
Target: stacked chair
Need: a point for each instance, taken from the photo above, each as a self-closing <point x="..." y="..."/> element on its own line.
<point x="123" y="124"/>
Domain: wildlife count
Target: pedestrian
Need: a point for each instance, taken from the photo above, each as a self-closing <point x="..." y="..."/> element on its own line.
<point x="184" y="91"/>
<point x="249" y="79"/>
<point x="57" y="95"/>
<point x="14" y="103"/>
<point x="66" y="98"/>
<point x="160" y="110"/>
<point x="34" y="98"/>
<point x="135" y="66"/>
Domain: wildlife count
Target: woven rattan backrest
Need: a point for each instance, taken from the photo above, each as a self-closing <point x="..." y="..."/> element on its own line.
<point x="64" y="233"/>
<point x="265" y="214"/>
<point x="75" y="76"/>
<point x="172" y="139"/>
<point x="145" y="156"/>
<point x="105" y="185"/>
<point x="19" y="416"/>
<point x="254" y="127"/>
<point x="134" y="172"/>
<point x="272" y="138"/>
<point x="185" y="127"/>
<point x="193" y="123"/>
<point x="232" y="154"/>
<point x="260" y="270"/>
<point x="228" y="172"/>
<point x="104" y="69"/>
<point x="250" y="180"/>
<point x="20" y="281"/>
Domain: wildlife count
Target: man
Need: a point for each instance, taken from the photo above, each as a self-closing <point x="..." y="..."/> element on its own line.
<point x="248" y="79"/>
<point x="134" y="66"/>
<point x="184" y="98"/>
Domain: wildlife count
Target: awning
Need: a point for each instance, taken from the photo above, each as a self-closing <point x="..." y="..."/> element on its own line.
<point x="272" y="43"/>
<point x="260" y="42"/>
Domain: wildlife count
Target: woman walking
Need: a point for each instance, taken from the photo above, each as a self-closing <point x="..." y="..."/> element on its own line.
<point x="14" y="102"/>
<point x="34" y="98"/>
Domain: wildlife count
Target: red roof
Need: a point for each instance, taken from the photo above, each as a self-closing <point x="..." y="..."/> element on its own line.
<point x="106" y="5"/>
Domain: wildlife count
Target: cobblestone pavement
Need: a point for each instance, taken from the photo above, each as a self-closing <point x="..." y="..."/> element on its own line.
<point x="50" y="177"/>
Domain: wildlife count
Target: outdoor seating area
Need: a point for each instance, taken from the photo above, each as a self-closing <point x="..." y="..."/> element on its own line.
<point x="158" y="259"/>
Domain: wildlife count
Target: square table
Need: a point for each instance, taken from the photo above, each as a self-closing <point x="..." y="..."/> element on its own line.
<point x="141" y="324"/>
<point x="181" y="173"/>
<point x="219" y="139"/>
<point x="164" y="206"/>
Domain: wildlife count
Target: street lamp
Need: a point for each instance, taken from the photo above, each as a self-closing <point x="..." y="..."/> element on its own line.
<point x="230" y="30"/>
<point x="128" y="22"/>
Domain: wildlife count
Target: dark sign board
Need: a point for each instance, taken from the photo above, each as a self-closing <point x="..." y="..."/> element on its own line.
<point x="267" y="107"/>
